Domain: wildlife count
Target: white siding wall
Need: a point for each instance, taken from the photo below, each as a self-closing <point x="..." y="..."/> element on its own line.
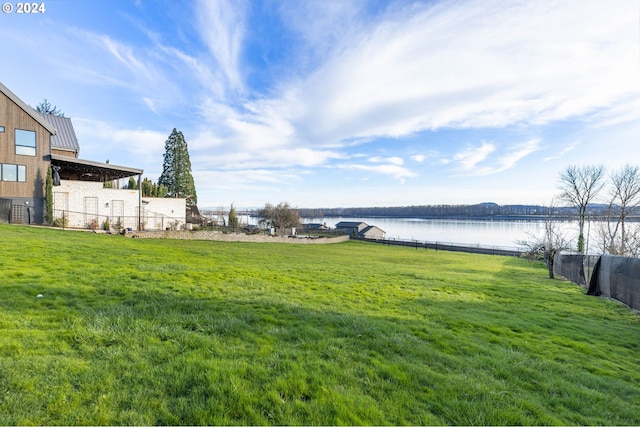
<point x="374" y="233"/>
<point x="83" y="201"/>
<point x="162" y="213"/>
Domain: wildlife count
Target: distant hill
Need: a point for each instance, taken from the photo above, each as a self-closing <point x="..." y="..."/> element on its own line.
<point x="487" y="210"/>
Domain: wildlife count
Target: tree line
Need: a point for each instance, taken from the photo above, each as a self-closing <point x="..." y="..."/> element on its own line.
<point x="481" y="210"/>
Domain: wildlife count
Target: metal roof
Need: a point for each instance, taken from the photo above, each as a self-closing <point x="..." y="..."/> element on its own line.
<point x="94" y="171"/>
<point x="65" y="137"/>
<point x="30" y="111"/>
<point x="350" y="224"/>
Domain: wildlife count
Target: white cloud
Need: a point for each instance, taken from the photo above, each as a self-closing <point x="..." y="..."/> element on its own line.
<point x="221" y="24"/>
<point x="100" y="141"/>
<point x="271" y="158"/>
<point x="570" y="147"/>
<point x="471" y="156"/>
<point x="473" y="64"/>
<point x="150" y="103"/>
<point x="478" y="161"/>
<point x="515" y="154"/>
<point x="397" y="172"/>
<point x="392" y="160"/>
<point x="322" y="25"/>
<point x="243" y="179"/>
<point x="138" y="69"/>
<point x="349" y="77"/>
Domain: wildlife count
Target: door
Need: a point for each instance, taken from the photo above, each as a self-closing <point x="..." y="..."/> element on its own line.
<point x="117" y="214"/>
<point x="91" y="213"/>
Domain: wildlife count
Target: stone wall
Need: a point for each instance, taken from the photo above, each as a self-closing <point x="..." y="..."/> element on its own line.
<point x="231" y="237"/>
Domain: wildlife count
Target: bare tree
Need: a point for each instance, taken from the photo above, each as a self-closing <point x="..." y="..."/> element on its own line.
<point x="625" y="201"/>
<point x="546" y="245"/>
<point x="611" y="243"/>
<point x="280" y="216"/>
<point x="579" y="186"/>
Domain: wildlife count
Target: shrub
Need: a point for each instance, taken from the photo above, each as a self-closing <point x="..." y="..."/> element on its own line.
<point x="63" y="221"/>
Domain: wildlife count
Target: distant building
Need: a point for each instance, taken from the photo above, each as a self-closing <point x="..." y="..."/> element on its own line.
<point x="314" y="227"/>
<point x="361" y="230"/>
<point x="373" y="232"/>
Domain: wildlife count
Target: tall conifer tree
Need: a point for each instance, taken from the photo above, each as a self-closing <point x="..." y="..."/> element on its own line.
<point x="48" y="198"/>
<point x="176" y="174"/>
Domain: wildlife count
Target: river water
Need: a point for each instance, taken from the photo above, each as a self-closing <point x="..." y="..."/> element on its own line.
<point x="475" y="232"/>
<point x="499" y="233"/>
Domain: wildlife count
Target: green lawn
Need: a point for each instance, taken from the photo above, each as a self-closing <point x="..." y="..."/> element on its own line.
<point x="133" y="331"/>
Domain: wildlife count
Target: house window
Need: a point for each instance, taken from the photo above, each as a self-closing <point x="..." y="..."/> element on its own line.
<point x="9" y="173"/>
<point x="25" y="142"/>
<point x="1" y="129"/>
<point x="15" y="173"/>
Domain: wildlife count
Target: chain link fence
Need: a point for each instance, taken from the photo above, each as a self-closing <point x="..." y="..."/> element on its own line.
<point x="149" y="221"/>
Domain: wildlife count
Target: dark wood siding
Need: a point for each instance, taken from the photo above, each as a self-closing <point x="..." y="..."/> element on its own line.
<point x="13" y="117"/>
<point x="66" y="153"/>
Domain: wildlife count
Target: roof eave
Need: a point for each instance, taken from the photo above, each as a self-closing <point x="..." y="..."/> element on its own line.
<point x="98" y="165"/>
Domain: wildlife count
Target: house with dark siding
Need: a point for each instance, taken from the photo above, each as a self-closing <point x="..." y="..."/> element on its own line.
<point x="25" y="156"/>
<point x="31" y="143"/>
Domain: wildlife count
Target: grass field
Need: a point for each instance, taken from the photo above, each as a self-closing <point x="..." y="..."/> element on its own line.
<point x="132" y="331"/>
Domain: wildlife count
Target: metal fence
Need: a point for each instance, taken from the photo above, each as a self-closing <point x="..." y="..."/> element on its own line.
<point x="16" y="213"/>
<point x="5" y="210"/>
<point x="447" y="246"/>
<point x="149" y="221"/>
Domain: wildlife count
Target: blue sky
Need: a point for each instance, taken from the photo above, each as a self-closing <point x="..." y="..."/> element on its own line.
<point x="341" y="103"/>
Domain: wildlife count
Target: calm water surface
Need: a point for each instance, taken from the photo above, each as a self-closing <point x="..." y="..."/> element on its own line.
<point x="492" y="233"/>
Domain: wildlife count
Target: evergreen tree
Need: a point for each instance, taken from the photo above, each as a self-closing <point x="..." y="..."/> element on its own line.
<point x="132" y="184"/>
<point x="48" y="198"/>
<point x="160" y="190"/>
<point x="152" y="189"/>
<point x="233" y="217"/>
<point x="176" y="173"/>
<point x="45" y="107"/>
<point x="147" y="188"/>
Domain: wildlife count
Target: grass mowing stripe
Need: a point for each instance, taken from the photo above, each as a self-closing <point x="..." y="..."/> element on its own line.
<point x="186" y="332"/>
